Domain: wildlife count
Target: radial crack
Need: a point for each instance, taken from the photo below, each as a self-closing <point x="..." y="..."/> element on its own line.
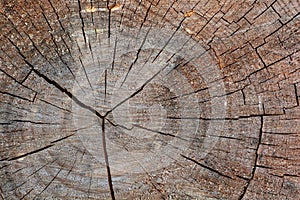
<point x="30" y="153"/>
<point x="255" y="161"/>
<point x="206" y="167"/>
<point x="106" y="160"/>
<point x="64" y="90"/>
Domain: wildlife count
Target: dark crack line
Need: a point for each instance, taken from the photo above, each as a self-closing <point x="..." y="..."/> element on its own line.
<point x="28" y="177"/>
<point x="149" y="175"/>
<point x="137" y="56"/>
<point x="1" y="194"/>
<point x="122" y="15"/>
<point x="178" y="63"/>
<point x="73" y="164"/>
<point x="57" y="48"/>
<point x="190" y="38"/>
<point x="36" y="171"/>
<point x="119" y="125"/>
<point x="171" y="38"/>
<point x="178" y="27"/>
<point x="18" y="186"/>
<point x="166" y="44"/>
<point x="13" y="25"/>
<point x="208" y="99"/>
<point x="37" y="49"/>
<point x="151" y="26"/>
<point x="46" y="102"/>
<point x="25" y="78"/>
<point x="137" y="91"/>
<point x="32" y="122"/>
<point x="63" y="138"/>
<point x="64" y="90"/>
<point x="57" y="17"/>
<point x="47" y="22"/>
<point x="109" y="179"/>
<point x="135" y="10"/>
<point x="184" y="95"/>
<point x="116" y="37"/>
<point x="159" y="132"/>
<point x="169" y="8"/>
<point x="52" y="180"/>
<point x="206" y="167"/>
<point x="227" y="137"/>
<point x="109" y="21"/>
<point x="255" y="160"/>
<point x="296" y="94"/>
<point x="78" y="48"/>
<point x="91" y="50"/>
<point x="15" y="96"/>
<point x="90" y="185"/>
<point x="150" y="130"/>
<point x="85" y="73"/>
<point x="114" y="55"/>
<point x="82" y="22"/>
<point x="92" y="18"/>
<point x="25" y="59"/>
<point x="181" y="62"/>
<point x="147" y="13"/>
<point x="41" y="52"/>
<point x="29" y="153"/>
<point x="4" y="166"/>
<point x="188" y="179"/>
<point x="105" y="83"/>
<point x="226" y="118"/>
<point x="27" y="193"/>
<point x="19" y="82"/>
<point x="20" y="169"/>
<point x="206" y="24"/>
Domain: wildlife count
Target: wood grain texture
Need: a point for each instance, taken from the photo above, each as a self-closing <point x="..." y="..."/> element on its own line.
<point x="151" y="99"/>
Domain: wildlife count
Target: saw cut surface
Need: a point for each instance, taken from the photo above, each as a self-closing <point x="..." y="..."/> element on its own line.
<point x="149" y="99"/>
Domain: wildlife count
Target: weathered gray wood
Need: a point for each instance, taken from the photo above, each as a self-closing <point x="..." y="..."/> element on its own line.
<point x="149" y="99"/>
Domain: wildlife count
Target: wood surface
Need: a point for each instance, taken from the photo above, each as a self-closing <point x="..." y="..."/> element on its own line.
<point x="150" y="99"/>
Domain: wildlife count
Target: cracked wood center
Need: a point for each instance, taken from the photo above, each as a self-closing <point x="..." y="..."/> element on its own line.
<point x="149" y="99"/>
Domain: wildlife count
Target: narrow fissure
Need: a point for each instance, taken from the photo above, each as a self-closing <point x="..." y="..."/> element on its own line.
<point x="255" y="160"/>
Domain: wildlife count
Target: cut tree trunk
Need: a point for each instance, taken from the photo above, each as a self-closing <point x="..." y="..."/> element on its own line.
<point x="151" y="99"/>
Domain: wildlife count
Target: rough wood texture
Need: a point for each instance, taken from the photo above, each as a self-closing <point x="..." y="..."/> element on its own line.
<point x="151" y="99"/>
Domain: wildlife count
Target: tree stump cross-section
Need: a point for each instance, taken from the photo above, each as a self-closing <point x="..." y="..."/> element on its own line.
<point x="149" y="99"/>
